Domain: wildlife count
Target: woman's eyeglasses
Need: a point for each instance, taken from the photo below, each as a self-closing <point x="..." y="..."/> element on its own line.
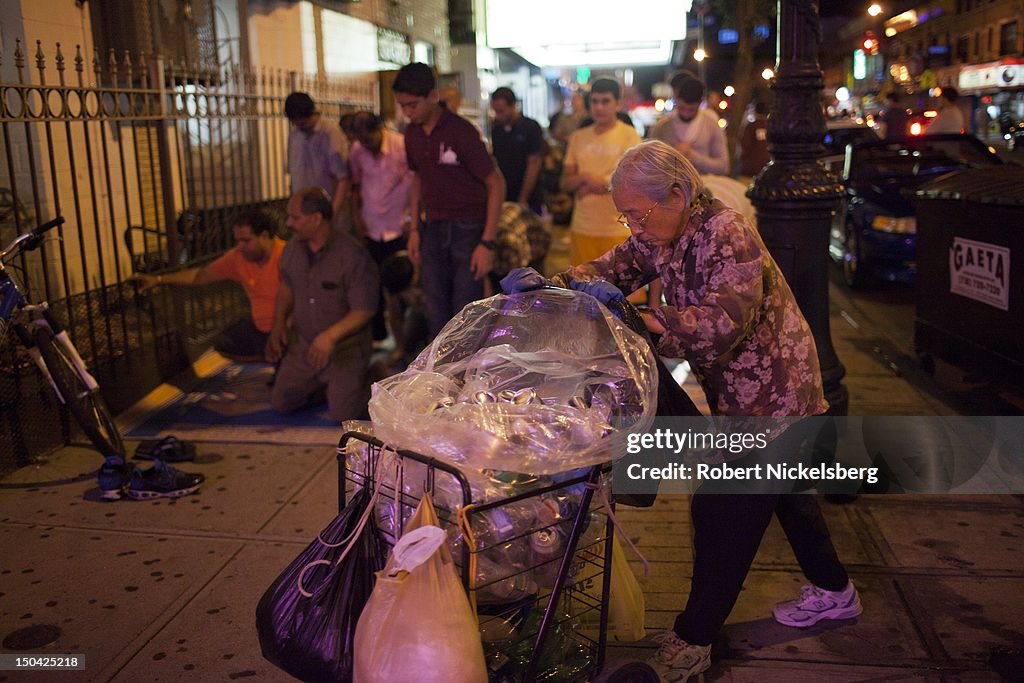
<point x="625" y="222"/>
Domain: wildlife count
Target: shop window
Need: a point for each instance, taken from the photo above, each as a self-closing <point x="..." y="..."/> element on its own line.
<point x="423" y="52"/>
<point x="184" y="32"/>
<point x="1008" y="38"/>
<point x="961" y="49"/>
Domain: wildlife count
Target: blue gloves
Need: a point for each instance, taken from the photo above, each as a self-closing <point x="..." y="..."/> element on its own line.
<point x="602" y="290"/>
<point x="523" y="280"/>
<point x="528" y="279"/>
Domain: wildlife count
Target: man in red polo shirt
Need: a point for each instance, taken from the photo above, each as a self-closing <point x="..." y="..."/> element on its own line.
<point x="460" y="189"/>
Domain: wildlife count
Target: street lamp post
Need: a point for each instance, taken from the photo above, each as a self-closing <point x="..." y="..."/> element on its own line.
<point x="701" y="8"/>
<point x="795" y="195"/>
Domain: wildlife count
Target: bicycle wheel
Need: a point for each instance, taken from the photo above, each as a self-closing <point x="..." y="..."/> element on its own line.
<point x="87" y="406"/>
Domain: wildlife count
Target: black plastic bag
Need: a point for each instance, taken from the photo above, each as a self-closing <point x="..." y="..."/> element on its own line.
<point x="310" y="635"/>
<point x="672" y="399"/>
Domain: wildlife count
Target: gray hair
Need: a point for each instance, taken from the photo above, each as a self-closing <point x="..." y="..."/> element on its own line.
<point x="653" y="168"/>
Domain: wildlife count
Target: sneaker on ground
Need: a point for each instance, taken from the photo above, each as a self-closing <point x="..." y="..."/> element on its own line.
<point x="815" y="604"/>
<point x="162" y="481"/>
<point x="676" y="660"/>
<point x="112" y="479"/>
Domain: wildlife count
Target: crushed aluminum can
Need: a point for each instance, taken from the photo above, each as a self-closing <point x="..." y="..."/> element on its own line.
<point x="482" y="397"/>
<point x="442" y="403"/>
<point x="507" y="395"/>
<point x="524" y="396"/>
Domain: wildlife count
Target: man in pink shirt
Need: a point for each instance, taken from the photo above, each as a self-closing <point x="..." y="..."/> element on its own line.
<point x="378" y="166"/>
<point x="253" y="263"/>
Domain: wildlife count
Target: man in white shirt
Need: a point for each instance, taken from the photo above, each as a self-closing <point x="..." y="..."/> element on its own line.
<point x="950" y="118"/>
<point x="593" y="153"/>
<point x="692" y="130"/>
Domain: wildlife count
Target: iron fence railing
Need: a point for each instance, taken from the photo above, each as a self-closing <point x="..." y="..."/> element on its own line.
<point x="149" y="162"/>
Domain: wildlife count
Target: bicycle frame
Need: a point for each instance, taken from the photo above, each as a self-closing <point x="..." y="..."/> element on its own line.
<point x="15" y="306"/>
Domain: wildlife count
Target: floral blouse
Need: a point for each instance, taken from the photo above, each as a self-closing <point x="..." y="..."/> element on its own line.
<point x="730" y="313"/>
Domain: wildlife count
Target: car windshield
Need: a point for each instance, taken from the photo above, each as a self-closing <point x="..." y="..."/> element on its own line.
<point x="921" y="157"/>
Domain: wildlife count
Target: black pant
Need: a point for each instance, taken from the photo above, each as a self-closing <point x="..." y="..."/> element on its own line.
<point x="242" y="342"/>
<point x="378" y="252"/>
<point x="727" y="530"/>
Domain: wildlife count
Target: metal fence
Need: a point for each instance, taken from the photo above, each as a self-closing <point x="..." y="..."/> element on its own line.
<point x="149" y="163"/>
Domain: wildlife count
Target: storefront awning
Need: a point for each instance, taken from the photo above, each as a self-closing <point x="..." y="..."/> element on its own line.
<point x="1002" y="75"/>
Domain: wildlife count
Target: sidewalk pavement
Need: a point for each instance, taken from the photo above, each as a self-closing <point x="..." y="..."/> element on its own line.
<point x="167" y="590"/>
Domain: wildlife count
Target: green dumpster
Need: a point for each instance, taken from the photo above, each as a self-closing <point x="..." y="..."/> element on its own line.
<point x="970" y="283"/>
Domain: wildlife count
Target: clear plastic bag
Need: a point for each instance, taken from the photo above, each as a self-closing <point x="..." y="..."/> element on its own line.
<point x="539" y="382"/>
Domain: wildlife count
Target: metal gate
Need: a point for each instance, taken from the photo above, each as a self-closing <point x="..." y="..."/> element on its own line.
<point x="149" y="162"/>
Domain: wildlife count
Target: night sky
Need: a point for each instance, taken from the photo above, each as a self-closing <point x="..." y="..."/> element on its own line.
<point x="841" y="8"/>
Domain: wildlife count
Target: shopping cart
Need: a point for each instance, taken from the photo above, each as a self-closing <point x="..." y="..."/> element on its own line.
<point x="543" y="612"/>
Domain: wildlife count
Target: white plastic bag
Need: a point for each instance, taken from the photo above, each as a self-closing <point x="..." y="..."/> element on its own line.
<point x="418" y="626"/>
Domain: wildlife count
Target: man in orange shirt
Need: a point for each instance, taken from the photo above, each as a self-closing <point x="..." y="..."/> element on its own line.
<point x="253" y="263"/>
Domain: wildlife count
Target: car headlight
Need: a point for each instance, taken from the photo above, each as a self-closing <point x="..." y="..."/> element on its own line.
<point x="906" y="225"/>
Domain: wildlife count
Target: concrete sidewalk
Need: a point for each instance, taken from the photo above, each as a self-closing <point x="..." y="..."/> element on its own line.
<point x="167" y="590"/>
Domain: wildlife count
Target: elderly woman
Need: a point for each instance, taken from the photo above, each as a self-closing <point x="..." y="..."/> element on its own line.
<point x="731" y="314"/>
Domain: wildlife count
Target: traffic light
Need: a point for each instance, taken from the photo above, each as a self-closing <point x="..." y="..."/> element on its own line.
<point x="870" y="43"/>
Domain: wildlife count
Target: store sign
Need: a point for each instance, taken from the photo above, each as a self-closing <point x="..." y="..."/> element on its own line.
<point x="860" y="65"/>
<point x="392" y="46"/>
<point x="992" y="76"/>
<point x="528" y="23"/>
<point x="728" y="36"/>
<point x="980" y="271"/>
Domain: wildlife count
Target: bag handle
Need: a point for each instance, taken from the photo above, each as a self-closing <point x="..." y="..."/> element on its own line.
<point x="462" y="515"/>
<point x="599" y="490"/>
<point x="396" y="499"/>
<point x="349" y="541"/>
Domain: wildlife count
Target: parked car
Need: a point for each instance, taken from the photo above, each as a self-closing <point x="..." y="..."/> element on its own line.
<point x="874" y="232"/>
<point x="840" y="133"/>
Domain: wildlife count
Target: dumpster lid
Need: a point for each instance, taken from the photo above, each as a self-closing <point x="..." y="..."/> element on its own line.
<point x="1002" y="185"/>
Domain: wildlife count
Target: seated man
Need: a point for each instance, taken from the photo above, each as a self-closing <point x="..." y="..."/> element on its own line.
<point x="329" y="289"/>
<point x="253" y="263"/>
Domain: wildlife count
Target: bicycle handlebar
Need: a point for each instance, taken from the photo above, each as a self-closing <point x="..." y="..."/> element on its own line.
<point x="32" y="239"/>
<point x="49" y="225"/>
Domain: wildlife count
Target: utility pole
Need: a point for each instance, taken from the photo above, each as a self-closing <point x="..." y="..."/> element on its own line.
<point x="795" y="195"/>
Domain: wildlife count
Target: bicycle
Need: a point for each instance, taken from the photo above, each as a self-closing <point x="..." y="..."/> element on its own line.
<point x="53" y="352"/>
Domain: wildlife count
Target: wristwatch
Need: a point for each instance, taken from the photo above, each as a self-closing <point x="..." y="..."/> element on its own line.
<point x="490" y="245"/>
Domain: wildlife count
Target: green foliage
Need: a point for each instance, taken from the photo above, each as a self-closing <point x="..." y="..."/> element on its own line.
<point x="743" y="15"/>
<point x="756" y="11"/>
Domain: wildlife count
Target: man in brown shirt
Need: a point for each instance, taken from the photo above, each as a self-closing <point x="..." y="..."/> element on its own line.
<point x="329" y="290"/>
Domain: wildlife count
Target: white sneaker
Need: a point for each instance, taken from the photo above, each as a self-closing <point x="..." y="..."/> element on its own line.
<point x="815" y="604"/>
<point x="676" y="660"/>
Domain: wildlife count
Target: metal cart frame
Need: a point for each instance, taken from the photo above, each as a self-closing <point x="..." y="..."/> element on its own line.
<point x="597" y="557"/>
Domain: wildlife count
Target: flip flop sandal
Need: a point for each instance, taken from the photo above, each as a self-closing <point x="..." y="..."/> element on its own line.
<point x="168" y="449"/>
